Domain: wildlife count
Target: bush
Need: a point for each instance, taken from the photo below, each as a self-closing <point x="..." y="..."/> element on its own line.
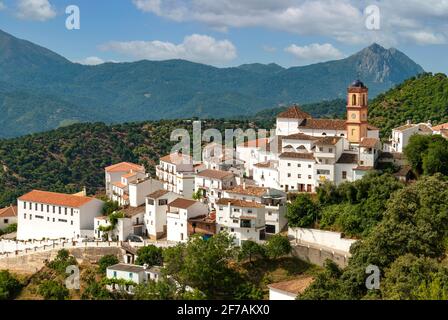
<point x="150" y="255"/>
<point x="62" y="261"/>
<point x="107" y="261"/>
<point x="250" y="249"/>
<point x="53" y="290"/>
<point x="278" y="246"/>
<point x="9" y="286"/>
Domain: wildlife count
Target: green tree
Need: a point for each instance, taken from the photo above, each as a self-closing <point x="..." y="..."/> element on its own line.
<point x="436" y="158"/>
<point x="107" y="261"/>
<point x="277" y="246"/>
<point x="110" y="207"/>
<point x="62" y="261"/>
<point x="53" y="290"/>
<point x="251" y="249"/>
<point x="9" y="286"/>
<point x="163" y="289"/>
<point x="150" y="255"/>
<point x="302" y="212"/>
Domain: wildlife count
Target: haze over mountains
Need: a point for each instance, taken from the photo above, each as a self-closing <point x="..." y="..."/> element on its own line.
<point x="41" y="90"/>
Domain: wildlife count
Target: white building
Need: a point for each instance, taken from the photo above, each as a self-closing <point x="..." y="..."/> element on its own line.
<point x="8" y="216"/>
<point x="274" y="201"/>
<point x="177" y="172"/>
<point x="132" y="275"/>
<point x="211" y="183"/>
<point x="114" y="173"/>
<point x="267" y="174"/>
<point x="244" y="220"/>
<point x="401" y="135"/>
<point x="178" y="213"/>
<point x="51" y="215"/>
<point x="156" y="210"/>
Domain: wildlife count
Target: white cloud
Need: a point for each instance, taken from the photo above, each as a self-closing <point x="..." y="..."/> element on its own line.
<point x="38" y="10"/>
<point x="91" y="61"/>
<point x="425" y="37"/>
<point x="341" y="20"/>
<point x="197" y="48"/>
<point x="315" y="52"/>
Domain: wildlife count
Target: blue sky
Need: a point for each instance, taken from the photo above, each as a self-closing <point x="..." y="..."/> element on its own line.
<point x="231" y="32"/>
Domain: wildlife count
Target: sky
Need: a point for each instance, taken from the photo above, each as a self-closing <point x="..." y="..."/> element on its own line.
<point x="228" y="33"/>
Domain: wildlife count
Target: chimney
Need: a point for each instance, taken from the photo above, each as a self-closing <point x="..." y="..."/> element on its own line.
<point x="145" y="266"/>
<point x="429" y="123"/>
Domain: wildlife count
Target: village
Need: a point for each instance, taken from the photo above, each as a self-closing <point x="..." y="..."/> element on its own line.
<point x="242" y="191"/>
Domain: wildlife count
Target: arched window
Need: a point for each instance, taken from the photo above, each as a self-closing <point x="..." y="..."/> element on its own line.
<point x="324" y="134"/>
<point x="354" y="100"/>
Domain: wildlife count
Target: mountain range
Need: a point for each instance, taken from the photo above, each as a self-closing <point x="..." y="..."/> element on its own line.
<point x="41" y="90"/>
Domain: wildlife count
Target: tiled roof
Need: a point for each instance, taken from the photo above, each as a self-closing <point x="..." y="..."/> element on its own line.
<point x="255" y="143"/>
<point x="215" y="174"/>
<point x="295" y="287"/>
<point x="294" y="112"/>
<point x="368" y="143"/>
<point x="440" y="127"/>
<point x="8" y="212"/>
<point x="157" y="194"/>
<point x="265" y="165"/>
<point x="249" y="190"/>
<point x="124" y="167"/>
<point x="301" y="136"/>
<point x="127" y="268"/>
<point x="405" y="127"/>
<point x="324" y="124"/>
<point x="58" y="199"/>
<point x="177" y="158"/>
<point x="129" y="212"/>
<point x="297" y="155"/>
<point x="182" y="203"/>
<point x="129" y="175"/>
<point x="118" y="184"/>
<point x="328" y="141"/>
<point x="348" y="158"/>
<point x="425" y="128"/>
<point x="363" y="168"/>
<point x="239" y="203"/>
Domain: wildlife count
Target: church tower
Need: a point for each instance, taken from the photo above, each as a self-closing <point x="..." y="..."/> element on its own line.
<point x="357" y="112"/>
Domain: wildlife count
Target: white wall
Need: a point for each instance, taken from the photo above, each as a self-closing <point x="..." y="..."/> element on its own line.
<point x="275" y="294"/>
<point x="328" y="239"/>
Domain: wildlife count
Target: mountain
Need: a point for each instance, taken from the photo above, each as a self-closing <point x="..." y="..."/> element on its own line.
<point x="419" y="99"/>
<point x="41" y="83"/>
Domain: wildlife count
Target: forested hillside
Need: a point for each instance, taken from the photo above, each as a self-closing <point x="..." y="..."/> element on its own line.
<point x="418" y="99"/>
<point x="67" y="159"/>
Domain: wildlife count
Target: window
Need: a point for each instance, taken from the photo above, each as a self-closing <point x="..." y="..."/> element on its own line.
<point x="35" y="206"/>
<point x="310" y="177"/>
<point x="71" y="211"/>
<point x="71" y="222"/>
<point x="54" y="209"/>
<point x="24" y="216"/>
<point x="60" y="210"/>
<point x="5" y="221"/>
<point x="289" y="164"/>
<point x="235" y="221"/>
<point x="236" y="210"/>
<point x="48" y="208"/>
<point x="131" y="275"/>
<point x="249" y="211"/>
<point x="299" y="166"/>
<point x="220" y="209"/>
<point x="354" y="100"/>
<point x="299" y="176"/>
<point x="42" y="207"/>
<point x="330" y="150"/>
<point x="24" y="205"/>
<point x="344" y="175"/>
<point x="65" y="211"/>
<point x="115" y="274"/>
<point x="163" y="202"/>
<point x="54" y="220"/>
<point x="309" y="166"/>
<point x="31" y="205"/>
<point x="289" y="175"/>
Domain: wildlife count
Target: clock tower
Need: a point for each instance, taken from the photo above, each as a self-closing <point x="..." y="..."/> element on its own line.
<point x="357" y="112"/>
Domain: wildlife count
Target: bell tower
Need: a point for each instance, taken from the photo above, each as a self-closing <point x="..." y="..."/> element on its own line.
<point x="357" y="112"/>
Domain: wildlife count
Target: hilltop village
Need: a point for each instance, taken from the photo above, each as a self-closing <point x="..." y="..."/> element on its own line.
<point x="245" y="195"/>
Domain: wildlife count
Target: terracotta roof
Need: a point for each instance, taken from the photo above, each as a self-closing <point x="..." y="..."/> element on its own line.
<point x="440" y="127"/>
<point x="363" y="168"/>
<point x="124" y="167"/>
<point x="405" y="127"/>
<point x="239" y="203"/>
<point x="177" y="158"/>
<point x="368" y="143"/>
<point x="182" y="203"/>
<point x="8" y="212"/>
<point x="118" y="184"/>
<point x="425" y="128"/>
<point x="101" y="218"/>
<point x="215" y="174"/>
<point x="129" y="212"/>
<point x="129" y="175"/>
<point x="328" y="141"/>
<point x="348" y="158"/>
<point x="58" y="199"/>
<point x="255" y="143"/>
<point x="157" y="194"/>
<point x="294" y="112"/>
<point x="444" y="133"/>
<point x="301" y="136"/>
<point x="249" y="190"/>
<point x="324" y="124"/>
<point x="294" y="287"/>
<point x="297" y="155"/>
<point x="266" y="165"/>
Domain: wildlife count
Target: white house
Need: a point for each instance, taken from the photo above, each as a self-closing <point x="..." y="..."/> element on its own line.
<point x="156" y="209"/>
<point x="114" y="173"/>
<point x="212" y="183"/>
<point x="131" y="275"/>
<point x="266" y="174"/>
<point x="289" y="290"/>
<point x="274" y="201"/>
<point x="52" y="215"/>
<point x="178" y="213"/>
<point x="177" y="172"/>
<point x="401" y="135"/>
<point x="296" y="172"/>
<point x="244" y="220"/>
<point x="8" y="216"/>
